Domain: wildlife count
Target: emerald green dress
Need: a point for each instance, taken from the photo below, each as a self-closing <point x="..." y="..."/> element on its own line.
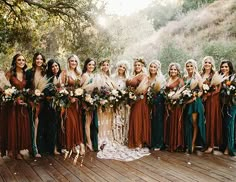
<point x="228" y="102"/>
<point x="157" y="121"/>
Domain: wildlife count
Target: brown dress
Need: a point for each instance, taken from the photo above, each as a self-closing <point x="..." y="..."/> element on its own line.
<point x="213" y="118"/>
<point x="19" y="134"/>
<point x="73" y="135"/>
<point x="173" y="122"/>
<point x="139" y="124"/>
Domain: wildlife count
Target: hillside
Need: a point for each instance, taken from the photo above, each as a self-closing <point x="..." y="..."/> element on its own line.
<point x="210" y="30"/>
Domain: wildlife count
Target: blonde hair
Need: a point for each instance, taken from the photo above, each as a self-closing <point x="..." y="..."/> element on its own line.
<point x="104" y="61"/>
<point x="127" y="67"/>
<point x="142" y="61"/>
<point x="77" y="69"/>
<point x="211" y="59"/>
<point x="178" y="67"/>
<point x="158" y="64"/>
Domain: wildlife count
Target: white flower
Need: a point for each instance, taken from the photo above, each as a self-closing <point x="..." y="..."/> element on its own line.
<point x="37" y="92"/>
<point x="10" y="91"/>
<point x="205" y="87"/>
<point x="115" y="92"/>
<point x="111" y="98"/>
<point x="141" y="97"/>
<point x="123" y="92"/>
<point x="89" y="99"/>
<point x="64" y="91"/>
<point x="171" y="94"/>
<point x="103" y="102"/>
<point x="71" y="93"/>
<point x="79" y="92"/>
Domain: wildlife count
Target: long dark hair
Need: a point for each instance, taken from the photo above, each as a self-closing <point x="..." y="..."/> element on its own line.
<point x="87" y="61"/>
<point x="13" y="64"/>
<point x="230" y="64"/>
<point x="43" y="67"/>
<point x="49" y="68"/>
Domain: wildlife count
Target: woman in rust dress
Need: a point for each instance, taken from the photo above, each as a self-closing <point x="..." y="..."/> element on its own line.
<point x="212" y="106"/>
<point x="173" y="122"/>
<point x="72" y="122"/>
<point x="19" y="133"/>
<point x="139" y="124"/>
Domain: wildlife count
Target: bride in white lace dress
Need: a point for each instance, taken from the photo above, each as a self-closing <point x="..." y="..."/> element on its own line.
<point x="113" y="126"/>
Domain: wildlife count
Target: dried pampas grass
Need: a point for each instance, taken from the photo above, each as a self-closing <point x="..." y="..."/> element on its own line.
<point x="217" y="79"/>
<point x="41" y="83"/>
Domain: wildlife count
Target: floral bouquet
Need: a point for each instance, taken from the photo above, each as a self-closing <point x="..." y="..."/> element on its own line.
<point x="9" y="94"/>
<point x="229" y="88"/>
<point x="91" y="100"/>
<point x="129" y="95"/>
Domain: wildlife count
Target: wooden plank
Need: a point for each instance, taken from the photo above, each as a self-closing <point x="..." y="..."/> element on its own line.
<point x="118" y="166"/>
<point x="5" y="173"/>
<point x="16" y="168"/>
<point x="62" y="170"/>
<point x="48" y="166"/>
<point x="102" y="170"/>
<point x="75" y="169"/>
<point x="199" y="164"/>
<point x="172" y="170"/>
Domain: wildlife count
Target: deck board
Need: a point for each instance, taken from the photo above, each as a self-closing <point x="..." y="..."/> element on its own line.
<point x="159" y="166"/>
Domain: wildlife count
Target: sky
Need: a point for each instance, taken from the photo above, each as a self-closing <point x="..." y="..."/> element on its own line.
<point x="125" y="7"/>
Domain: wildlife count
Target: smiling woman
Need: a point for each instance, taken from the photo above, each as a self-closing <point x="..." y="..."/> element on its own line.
<point x="124" y="7"/>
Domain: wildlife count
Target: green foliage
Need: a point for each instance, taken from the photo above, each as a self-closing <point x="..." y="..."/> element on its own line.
<point x="160" y="14"/>
<point x="171" y="53"/>
<point x="220" y="50"/>
<point x="194" y="4"/>
<point x="55" y="28"/>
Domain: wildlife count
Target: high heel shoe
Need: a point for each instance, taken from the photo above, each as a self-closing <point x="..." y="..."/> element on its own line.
<point x="89" y="147"/>
<point x="209" y="150"/>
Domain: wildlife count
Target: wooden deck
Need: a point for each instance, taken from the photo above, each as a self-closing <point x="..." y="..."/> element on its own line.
<point x="159" y="166"/>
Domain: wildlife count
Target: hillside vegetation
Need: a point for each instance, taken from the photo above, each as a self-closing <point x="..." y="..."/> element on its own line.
<point x="210" y="30"/>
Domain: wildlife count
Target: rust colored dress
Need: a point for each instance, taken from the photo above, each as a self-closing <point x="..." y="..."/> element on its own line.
<point x="173" y="122"/>
<point x="73" y="135"/>
<point x="213" y="118"/>
<point x="139" y="123"/>
<point x="19" y="132"/>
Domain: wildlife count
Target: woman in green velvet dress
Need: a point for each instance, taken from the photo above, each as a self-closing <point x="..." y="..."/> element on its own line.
<point x="194" y="120"/>
<point x="228" y="101"/>
<point x="157" y="81"/>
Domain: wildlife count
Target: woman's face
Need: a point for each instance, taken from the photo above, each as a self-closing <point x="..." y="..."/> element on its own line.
<point x="20" y="62"/>
<point x="121" y="69"/>
<point x="105" y="67"/>
<point x="138" y="67"/>
<point x="55" y="68"/>
<point x="39" y="61"/>
<point x="207" y="64"/>
<point x="153" y="69"/>
<point x="72" y="63"/>
<point x="90" y="66"/>
<point x="173" y="72"/>
<point x="224" y="68"/>
<point x="189" y="68"/>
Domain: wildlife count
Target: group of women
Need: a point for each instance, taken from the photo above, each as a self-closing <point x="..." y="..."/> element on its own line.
<point x="205" y="119"/>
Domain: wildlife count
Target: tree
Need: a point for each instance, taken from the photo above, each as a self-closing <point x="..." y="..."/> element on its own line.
<point x="54" y="27"/>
